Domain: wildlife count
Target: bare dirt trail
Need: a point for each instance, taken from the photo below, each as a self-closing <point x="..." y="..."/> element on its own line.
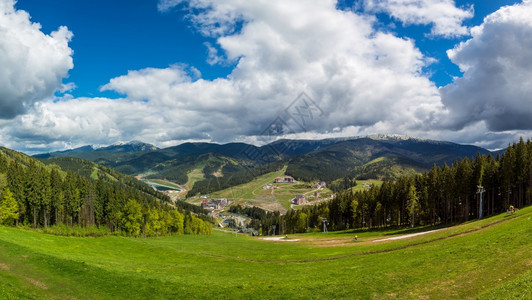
<point x="280" y="239"/>
<point x="407" y="235"/>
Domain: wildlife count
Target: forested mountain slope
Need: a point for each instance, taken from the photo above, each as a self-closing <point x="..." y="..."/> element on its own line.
<point x="107" y="155"/>
<point x="93" y="195"/>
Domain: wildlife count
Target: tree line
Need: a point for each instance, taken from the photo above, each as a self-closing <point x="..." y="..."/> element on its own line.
<point x="36" y="195"/>
<point x="443" y="195"/>
<point x="85" y="168"/>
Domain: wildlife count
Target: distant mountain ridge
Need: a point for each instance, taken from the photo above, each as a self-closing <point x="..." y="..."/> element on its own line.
<point x="352" y="156"/>
<point x="394" y="137"/>
<point x="132" y="146"/>
<point x="375" y="156"/>
<point x="121" y="147"/>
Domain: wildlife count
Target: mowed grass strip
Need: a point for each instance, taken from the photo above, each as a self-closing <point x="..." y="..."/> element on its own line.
<point x="458" y="262"/>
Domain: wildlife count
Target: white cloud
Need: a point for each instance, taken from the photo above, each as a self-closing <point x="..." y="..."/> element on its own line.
<point x="165" y="5"/>
<point x="33" y="64"/>
<point x="211" y="18"/>
<point x="75" y="122"/>
<point x="358" y="76"/>
<point x="497" y="84"/>
<point x="445" y="17"/>
<point x="213" y="57"/>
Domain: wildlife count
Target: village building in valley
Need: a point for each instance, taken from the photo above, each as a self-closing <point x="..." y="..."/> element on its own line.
<point x="285" y="179"/>
<point x="214" y="204"/>
<point x="299" y="200"/>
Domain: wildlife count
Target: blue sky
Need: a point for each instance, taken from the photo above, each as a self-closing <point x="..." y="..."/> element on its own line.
<point x="112" y="37"/>
<point x="171" y="71"/>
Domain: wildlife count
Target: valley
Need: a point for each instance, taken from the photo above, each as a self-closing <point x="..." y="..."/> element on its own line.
<point x="204" y="168"/>
<point x="200" y="173"/>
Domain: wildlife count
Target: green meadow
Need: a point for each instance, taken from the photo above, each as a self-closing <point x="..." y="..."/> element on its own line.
<point x="276" y="199"/>
<point x="488" y="259"/>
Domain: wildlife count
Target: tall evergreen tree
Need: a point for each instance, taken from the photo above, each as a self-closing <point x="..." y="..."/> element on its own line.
<point x="412" y="203"/>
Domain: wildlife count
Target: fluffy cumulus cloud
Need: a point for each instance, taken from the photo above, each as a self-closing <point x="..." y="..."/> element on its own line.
<point x="354" y="75"/>
<point x="33" y="64"/>
<point x="75" y="121"/>
<point x="496" y="87"/>
<point x="445" y="17"/>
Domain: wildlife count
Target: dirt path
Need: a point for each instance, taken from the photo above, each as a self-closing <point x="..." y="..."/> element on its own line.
<point x="407" y="235"/>
<point x="279" y="239"/>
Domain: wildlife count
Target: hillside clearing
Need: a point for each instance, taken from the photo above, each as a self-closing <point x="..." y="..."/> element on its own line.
<point x="263" y="192"/>
<point x="194" y="176"/>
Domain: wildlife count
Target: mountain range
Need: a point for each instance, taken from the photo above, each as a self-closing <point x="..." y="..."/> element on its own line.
<point x="376" y="156"/>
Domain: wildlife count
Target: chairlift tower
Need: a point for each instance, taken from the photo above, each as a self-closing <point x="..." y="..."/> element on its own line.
<point x="363" y="221"/>
<point x="324" y="221"/>
<point x="480" y="190"/>
<point x="274" y="226"/>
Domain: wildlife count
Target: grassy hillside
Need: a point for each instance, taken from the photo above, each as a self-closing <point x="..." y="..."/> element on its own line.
<point x="489" y="259"/>
<point x="247" y="192"/>
<point x="388" y="167"/>
<point x="365" y="184"/>
<point x="276" y="199"/>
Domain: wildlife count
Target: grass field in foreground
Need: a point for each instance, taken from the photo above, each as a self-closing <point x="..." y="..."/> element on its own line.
<point x="490" y="258"/>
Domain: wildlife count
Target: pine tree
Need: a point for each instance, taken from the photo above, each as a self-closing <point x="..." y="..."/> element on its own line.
<point x="45" y="195"/>
<point x="15" y="182"/>
<point x="521" y="171"/>
<point x="412" y="203"/>
<point x="32" y="188"/>
<point x="508" y="161"/>
<point x="354" y="209"/>
<point x="3" y="163"/>
<point x="56" y="196"/>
